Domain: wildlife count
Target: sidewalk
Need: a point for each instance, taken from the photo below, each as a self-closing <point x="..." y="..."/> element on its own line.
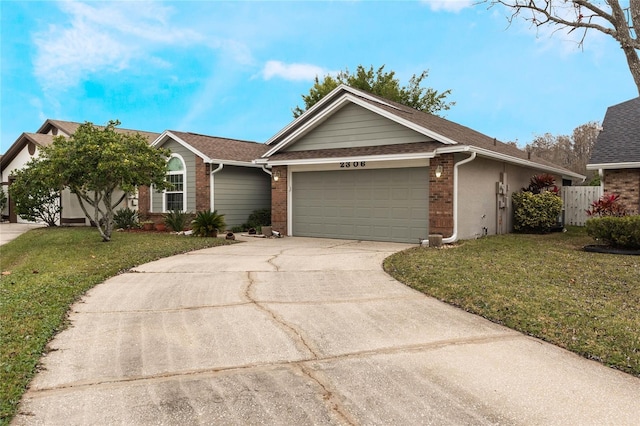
<point x="11" y="231"/>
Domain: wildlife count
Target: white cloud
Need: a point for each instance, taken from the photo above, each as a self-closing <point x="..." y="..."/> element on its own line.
<point x="449" y="5"/>
<point x="296" y="72"/>
<point x="557" y="38"/>
<point x="102" y="37"/>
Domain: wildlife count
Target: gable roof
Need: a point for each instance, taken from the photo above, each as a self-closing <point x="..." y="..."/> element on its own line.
<point x="618" y="144"/>
<point x="69" y="127"/>
<point x="213" y="149"/>
<point x="43" y="138"/>
<point x="449" y="136"/>
<point x="23" y="140"/>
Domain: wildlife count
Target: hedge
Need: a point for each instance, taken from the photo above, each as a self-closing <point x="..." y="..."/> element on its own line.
<point x="536" y="212"/>
<point x="623" y="232"/>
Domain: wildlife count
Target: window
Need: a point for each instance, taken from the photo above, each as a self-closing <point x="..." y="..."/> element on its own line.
<point x="174" y="195"/>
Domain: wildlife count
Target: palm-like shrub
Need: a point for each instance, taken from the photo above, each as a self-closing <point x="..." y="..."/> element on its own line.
<point x="176" y="220"/>
<point x="208" y="223"/>
<point x="126" y="218"/>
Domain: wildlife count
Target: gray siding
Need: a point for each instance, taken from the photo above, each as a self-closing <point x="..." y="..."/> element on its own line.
<point x="190" y="163"/>
<point x="238" y="191"/>
<point x="354" y="126"/>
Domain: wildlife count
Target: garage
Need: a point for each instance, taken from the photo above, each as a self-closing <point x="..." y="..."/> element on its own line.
<point x="363" y="204"/>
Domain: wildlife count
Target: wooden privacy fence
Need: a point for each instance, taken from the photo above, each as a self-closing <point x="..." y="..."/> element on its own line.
<point x="576" y="200"/>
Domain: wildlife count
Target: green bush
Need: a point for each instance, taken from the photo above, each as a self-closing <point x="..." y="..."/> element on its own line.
<point x="536" y="213"/>
<point x="623" y="232"/>
<point x="208" y="223"/>
<point x="177" y="220"/>
<point x="258" y="218"/>
<point x="126" y="218"/>
<point x="3" y="199"/>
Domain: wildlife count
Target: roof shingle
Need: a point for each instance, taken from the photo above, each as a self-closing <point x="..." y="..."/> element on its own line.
<point x="619" y="140"/>
<point x="217" y="148"/>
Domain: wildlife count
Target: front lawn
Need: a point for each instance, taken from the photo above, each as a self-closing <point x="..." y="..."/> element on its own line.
<point x="44" y="271"/>
<point x="541" y="285"/>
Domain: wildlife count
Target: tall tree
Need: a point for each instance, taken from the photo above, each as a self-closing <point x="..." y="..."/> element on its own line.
<point x="381" y="83"/>
<point x="572" y="152"/>
<point x="36" y="192"/>
<point x="102" y="166"/>
<point x="619" y="21"/>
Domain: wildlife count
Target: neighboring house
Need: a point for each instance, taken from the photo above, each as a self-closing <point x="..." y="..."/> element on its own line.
<point x="357" y="166"/>
<point x="28" y="145"/>
<point x="210" y="173"/>
<point x="616" y="154"/>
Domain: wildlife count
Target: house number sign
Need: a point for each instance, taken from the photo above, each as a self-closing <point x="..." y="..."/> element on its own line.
<point x="352" y="164"/>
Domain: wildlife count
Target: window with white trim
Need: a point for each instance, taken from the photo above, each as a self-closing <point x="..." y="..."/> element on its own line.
<point x="174" y="195"/>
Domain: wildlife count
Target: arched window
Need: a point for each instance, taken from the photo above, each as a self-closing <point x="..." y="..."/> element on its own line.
<point x="175" y="195"/>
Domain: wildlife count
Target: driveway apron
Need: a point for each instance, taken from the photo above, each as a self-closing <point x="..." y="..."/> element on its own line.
<point x="296" y="331"/>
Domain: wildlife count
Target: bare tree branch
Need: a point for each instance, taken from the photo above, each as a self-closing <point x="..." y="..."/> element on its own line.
<point x="622" y="24"/>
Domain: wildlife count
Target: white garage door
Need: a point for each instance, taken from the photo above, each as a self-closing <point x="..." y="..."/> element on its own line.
<point x="364" y="204"/>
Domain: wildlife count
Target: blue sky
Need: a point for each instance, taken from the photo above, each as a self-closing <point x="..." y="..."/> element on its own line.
<point x="236" y="69"/>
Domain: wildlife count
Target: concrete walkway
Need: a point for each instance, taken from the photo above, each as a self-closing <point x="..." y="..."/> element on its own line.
<point x="299" y="331"/>
<point x="11" y="231"/>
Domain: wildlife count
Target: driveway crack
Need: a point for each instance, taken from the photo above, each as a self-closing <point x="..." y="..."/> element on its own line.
<point x="291" y="330"/>
<point x="329" y="396"/>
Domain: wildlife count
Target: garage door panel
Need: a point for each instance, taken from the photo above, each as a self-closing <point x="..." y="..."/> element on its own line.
<point x="371" y="204"/>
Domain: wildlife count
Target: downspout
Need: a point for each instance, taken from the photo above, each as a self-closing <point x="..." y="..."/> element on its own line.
<point x="264" y="169"/>
<point x="213" y="172"/>
<point x="601" y="174"/>
<point x="454" y="237"/>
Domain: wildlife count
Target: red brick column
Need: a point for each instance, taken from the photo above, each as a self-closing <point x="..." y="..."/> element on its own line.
<point x="203" y="185"/>
<point x="279" y="200"/>
<point x="441" y="196"/>
<point x="144" y="200"/>
<point x="625" y="182"/>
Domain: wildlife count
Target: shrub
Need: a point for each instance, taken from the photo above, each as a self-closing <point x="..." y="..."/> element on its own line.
<point x="177" y="220"/>
<point x="259" y="218"/>
<point x="617" y="231"/>
<point x="126" y="218"/>
<point x="542" y="183"/>
<point x="607" y="205"/>
<point x="3" y="200"/>
<point x="537" y="213"/>
<point x="208" y="223"/>
<point x="34" y="194"/>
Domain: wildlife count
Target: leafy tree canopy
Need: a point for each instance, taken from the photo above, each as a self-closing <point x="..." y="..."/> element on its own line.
<point x="102" y="166"/>
<point x="381" y="83"/>
<point x="572" y="152"/>
<point x="36" y="192"/>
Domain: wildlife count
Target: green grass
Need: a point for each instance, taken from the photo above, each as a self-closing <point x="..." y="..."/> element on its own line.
<point x="50" y="268"/>
<point x="541" y="285"/>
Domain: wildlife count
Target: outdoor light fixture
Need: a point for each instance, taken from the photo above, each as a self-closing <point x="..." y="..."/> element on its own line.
<point x="276" y="176"/>
<point x="438" y="171"/>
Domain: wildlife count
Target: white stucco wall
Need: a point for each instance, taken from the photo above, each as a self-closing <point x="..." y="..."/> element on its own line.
<point x="478" y="201"/>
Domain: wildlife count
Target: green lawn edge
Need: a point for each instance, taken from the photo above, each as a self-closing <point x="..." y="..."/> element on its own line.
<point x="544" y="286"/>
<point x="45" y="271"/>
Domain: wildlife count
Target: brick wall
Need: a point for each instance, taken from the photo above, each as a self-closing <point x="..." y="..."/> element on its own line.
<point x="143" y="200"/>
<point x="441" y="196"/>
<point x="203" y="185"/>
<point x="625" y="182"/>
<point x="279" y="200"/>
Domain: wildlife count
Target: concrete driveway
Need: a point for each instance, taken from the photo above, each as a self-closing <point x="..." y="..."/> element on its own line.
<point x="298" y="331"/>
<point x="11" y="231"/>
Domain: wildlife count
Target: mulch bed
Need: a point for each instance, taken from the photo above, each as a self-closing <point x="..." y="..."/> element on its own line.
<point x="611" y="250"/>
